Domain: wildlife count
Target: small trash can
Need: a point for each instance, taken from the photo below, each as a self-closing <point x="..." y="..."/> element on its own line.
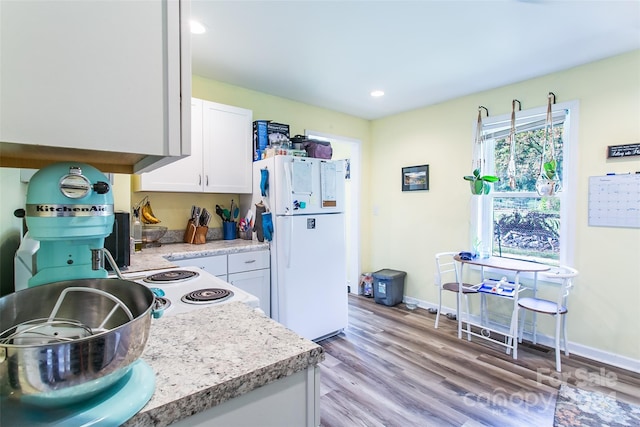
<point x="388" y="286"/>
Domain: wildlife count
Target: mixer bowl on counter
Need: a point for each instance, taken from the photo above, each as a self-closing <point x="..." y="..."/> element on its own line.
<point x="54" y="362"/>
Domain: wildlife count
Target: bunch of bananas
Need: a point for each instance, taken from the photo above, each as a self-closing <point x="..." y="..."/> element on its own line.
<point x="143" y="211"/>
<point x="146" y="214"/>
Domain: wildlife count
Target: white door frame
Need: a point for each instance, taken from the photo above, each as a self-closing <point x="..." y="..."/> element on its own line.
<point x="353" y="236"/>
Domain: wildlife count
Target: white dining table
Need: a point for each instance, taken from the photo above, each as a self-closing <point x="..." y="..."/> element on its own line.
<point x="502" y="264"/>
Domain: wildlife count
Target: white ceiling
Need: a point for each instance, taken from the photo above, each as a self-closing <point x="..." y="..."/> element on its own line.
<point x="332" y="54"/>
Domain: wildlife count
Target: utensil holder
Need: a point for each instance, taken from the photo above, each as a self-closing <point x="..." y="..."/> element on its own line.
<point x="189" y="232"/>
<point x="195" y="234"/>
<point x="228" y="230"/>
<point x="246" y="234"/>
<point x="201" y="235"/>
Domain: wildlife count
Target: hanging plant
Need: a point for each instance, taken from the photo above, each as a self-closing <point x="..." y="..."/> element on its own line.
<point x="479" y="183"/>
<point x="548" y="183"/>
<point x="511" y="166"/>
<point x="550" y="169"/>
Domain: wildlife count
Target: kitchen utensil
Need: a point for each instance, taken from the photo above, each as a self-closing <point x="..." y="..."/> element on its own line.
<point x="202" y="217"/>
<point x="232" y="211"/>
<point x="227" y="215"/>
<point x="220" y="212"/>
<point x="196" y="219"/>
<point x="53" y="329"/>
<point x="249" y="217"/>
<point x="205" y="217"/>
<point x="92" y="362"/>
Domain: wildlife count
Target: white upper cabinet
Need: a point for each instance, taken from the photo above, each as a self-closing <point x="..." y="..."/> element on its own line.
<point x="96" y="76"/>
<point x="220" y="160"/>
<point x="227" y="148"/>
<point x="184" y="175"/>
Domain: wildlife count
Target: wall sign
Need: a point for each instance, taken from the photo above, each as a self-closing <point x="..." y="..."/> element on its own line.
<point x="623" y="150"/>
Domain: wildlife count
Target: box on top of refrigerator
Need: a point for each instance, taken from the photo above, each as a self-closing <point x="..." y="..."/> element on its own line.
<point x="265" y="133"/>
<point x="277" y="132"/>
<point x="260" y="138"/>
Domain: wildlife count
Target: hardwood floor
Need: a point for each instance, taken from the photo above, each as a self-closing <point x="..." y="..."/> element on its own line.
<point x="392" y="368"/>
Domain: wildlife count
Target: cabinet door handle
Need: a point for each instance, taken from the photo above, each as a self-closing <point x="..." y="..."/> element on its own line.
<point x="207" y="178"/>
<point x="199" y="179"/>
<point x="250" y="261"/>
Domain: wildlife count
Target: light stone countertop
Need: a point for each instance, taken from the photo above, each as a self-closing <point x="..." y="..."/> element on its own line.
<point x="161" y="257"/>
<point x="225" y="351"/>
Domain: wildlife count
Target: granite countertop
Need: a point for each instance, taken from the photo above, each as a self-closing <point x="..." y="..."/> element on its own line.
<point x="225" y="351"/>
<point x="161" y="257"/>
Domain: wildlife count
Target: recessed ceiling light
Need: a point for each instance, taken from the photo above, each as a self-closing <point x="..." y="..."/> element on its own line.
<point x="197" y="28"/>
<point x="377" y="93"/>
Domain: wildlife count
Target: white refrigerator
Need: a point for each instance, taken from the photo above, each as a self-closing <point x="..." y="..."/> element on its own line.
<point x="308" y="251"/>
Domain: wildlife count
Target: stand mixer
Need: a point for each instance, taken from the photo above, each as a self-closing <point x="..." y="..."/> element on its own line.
<point x="69" y="210"/>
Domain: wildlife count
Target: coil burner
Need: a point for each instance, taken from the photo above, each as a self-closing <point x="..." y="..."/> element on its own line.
<point x="207" y="296"/>
<point x="172" y="276"/>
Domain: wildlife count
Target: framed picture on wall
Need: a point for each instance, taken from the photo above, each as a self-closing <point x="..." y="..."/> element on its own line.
<point x="415" y="178"/>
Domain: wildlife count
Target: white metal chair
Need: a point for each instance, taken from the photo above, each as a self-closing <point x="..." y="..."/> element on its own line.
<point x="556" y="308"/>
<point x="447" y="279"/>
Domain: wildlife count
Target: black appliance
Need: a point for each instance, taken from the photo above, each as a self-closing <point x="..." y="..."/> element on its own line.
<point x="118" y="243"/>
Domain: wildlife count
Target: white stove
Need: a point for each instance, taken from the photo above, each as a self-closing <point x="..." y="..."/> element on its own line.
<point x="186" y="289"/>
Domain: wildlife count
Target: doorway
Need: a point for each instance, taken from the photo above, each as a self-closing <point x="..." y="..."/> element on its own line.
<point x="348" y="149"/>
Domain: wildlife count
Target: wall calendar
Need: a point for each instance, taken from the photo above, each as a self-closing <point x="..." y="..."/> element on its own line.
<point x="614" y="201"/>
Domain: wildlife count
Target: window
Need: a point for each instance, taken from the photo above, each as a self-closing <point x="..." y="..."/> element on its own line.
<point x="518" y="222"/>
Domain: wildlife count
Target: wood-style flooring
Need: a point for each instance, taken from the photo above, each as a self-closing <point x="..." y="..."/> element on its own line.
<point x="390" y="367"/>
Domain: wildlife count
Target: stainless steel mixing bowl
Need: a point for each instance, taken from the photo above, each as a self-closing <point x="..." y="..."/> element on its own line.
<point x="56" y="373"/>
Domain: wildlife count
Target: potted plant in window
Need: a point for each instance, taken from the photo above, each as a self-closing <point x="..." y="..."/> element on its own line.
<point x="480" y="183"/>
<point x="547" y="185"/>
<point x="550" y="169"/>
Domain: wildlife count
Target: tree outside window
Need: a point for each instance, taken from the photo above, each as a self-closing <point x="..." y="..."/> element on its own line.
<point x="518" y="222"/>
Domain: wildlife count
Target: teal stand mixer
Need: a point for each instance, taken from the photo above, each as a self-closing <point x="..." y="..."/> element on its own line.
<point x="69" y="210"/>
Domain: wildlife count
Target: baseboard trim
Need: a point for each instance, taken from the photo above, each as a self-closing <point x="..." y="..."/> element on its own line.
<point x="591" y="353"/>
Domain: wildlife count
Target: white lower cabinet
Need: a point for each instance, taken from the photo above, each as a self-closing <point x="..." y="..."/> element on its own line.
<point x="256" y="283"/>
<point x="289" y="401"/>
<point x="249" y="271"/>
<point x="216" y="265"/>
